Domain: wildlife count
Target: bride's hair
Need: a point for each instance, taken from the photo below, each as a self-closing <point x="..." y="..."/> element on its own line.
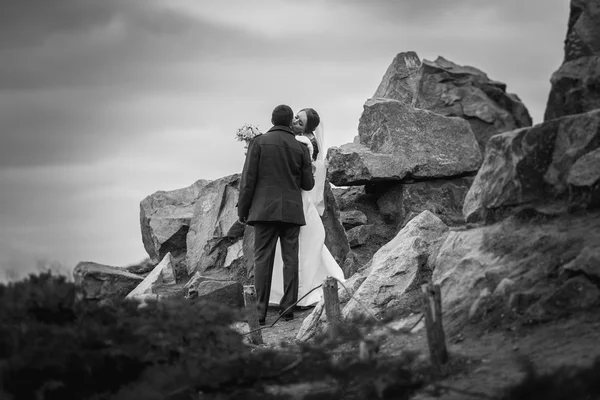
<point x="312" y="120"/>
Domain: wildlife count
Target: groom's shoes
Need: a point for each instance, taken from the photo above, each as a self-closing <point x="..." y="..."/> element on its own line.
<point x="262" y="322"/>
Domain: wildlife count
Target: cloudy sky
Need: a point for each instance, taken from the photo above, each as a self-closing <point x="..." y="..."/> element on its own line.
<point x="103" y="102"/>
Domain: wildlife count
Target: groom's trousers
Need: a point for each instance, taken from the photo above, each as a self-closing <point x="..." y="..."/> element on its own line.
<point x="265" y="243"/>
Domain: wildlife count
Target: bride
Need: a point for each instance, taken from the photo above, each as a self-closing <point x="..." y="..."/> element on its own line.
<point x="315" y="262"/>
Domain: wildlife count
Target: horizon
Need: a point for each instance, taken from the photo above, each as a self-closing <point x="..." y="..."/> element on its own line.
<point x="106" y="103"/>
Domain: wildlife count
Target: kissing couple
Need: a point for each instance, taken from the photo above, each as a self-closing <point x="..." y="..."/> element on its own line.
<point x="282" y="196"/>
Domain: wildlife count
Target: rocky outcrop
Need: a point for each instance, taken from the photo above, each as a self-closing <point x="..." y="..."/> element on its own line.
<point x="102" y="282"/>
<point x="214" y="217"/>
<point x="399" y="267"/>
<point x="229" y="293"/>
<point x="165" y="220"/>
<point x="390" y="283"/>
<point x="453" y="90"/>
<point x="352" y="219"/>
<point x="533" y="167"/>
<point x="401" y="202"/>
<point x="575" y="84"/>
<point x="398" y="143"/>
<point x="162" y="275"/>
<point x="517" y="269"/>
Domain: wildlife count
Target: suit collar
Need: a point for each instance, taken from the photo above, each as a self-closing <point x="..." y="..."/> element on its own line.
<point x="281" y="128"/>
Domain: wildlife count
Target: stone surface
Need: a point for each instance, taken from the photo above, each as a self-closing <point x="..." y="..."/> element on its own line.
<point x="574" y="295"/>
<point x="587" y="262"/>
<point x="316" y="321"/>
<point x="143" y="268"/>
<point x="575" y="84"/>
<point x="398" y="142"/>
<point x="102" y="282"/>
<point x="335" y="234"/>
<point x="399" y="267"/>
<point x="530" y="166"/>
<point x="585" y="172"/>
<point x="351" y="219"/>
<point x="214" y="216"/>
<point x="229" y="293"/>
<point x="361" y="235"/>
<point x="165" y="219"/>
<point x="454" y="90"/>
<point x="162" y="275"/>
<point x="402" y="201"/>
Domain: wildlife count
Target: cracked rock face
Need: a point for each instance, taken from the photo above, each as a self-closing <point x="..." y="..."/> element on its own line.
<point x="165" y="220"/>
<point x="576" y="84"/>
<point x="450" y="89"/>
<point x="535" y="166"/>
<point x="398" y="142"/>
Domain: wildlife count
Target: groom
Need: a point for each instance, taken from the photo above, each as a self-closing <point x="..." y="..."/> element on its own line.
<point x="277" y="169"/>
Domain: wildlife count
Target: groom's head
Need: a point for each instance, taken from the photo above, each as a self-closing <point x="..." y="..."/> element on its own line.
<point x="282" y="115"/>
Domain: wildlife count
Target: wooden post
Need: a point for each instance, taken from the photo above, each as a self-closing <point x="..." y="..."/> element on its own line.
<point x="432" y="309"/>
<point x="331" y="300"/>
<point x="252" y="313"/>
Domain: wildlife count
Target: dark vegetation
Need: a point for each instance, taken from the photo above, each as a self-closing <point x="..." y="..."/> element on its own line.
<point x="54" y="347"/>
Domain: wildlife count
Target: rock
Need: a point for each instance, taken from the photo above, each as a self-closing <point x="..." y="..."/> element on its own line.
<point x="175" y="291"/>
<point x="316" y="321"/>
<point x="162" y="275"/>
<point x="453" y="90"/>
<point x="234" y="252"/>
<point x="229" y="293"/>
<point x="103" y="282"/>
<point x="584" y="180"/>
<point x="165" y="219"/>
<point x="475" y="309"/>
<point x="399" y="143"/>
<point x="444" y="198"/>
<point x="214" y="216"/>
<point x="530" y="166"/>
<point x="348" y="197"/>
<point x="574" y="88"/>
<point x="504" y="287"/>
<point x="351" y="219"/>
<point x="361" y="235"/>
<point x="587" y="262"/>
<point x="575" y="84"/>
<point x="399" y="267"/>
<point x="574" y="295"/>
<point x="401" y="80"/>
<point x="143" y="268"/>
<point x="520" y="301"/>
<point x="335" y="234"/>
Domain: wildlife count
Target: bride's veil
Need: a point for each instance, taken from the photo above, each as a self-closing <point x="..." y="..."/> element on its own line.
<point x="320" y="170"/>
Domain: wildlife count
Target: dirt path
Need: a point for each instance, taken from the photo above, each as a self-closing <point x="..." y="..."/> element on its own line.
<point x="490" y="362"/>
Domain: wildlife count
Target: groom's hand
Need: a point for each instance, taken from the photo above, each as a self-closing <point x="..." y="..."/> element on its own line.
<point x="243" y="220"/>
<point x="314" y="168"/>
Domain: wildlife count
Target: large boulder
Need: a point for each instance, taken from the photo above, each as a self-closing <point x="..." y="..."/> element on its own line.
<point x="453" y="90"/>
<point x="103" y="282"/>
<point x="575" y="84"/>
<point x="400" y="202"/>
<point x="533" y="166"/>
<point x="399" y="267"/>
<point x="398" y="143"/>
<point x="514" y="267"/>
<point x="165" y="220"/>
<point x="213" y="228"/>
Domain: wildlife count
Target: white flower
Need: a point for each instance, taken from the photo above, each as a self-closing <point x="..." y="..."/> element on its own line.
<point x="307" y="142"/>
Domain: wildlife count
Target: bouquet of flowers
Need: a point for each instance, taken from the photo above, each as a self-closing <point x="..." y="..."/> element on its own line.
<point x="246" y="133"/>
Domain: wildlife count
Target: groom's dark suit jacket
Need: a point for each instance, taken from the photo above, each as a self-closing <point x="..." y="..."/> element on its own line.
<point x="277" y="168"/>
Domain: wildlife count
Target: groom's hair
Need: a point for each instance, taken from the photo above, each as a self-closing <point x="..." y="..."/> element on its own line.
<point x="282" y="115"/>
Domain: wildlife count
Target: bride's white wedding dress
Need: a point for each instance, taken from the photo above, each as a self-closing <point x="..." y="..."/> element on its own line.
<point x="315" y="262"/>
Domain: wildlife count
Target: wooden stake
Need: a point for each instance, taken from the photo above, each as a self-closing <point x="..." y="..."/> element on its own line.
<point x="332" y="300"/>
<point x="432" y="309"/>
<point x="252" y="313"/>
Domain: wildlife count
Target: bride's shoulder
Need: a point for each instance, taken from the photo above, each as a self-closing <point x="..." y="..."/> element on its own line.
<point x="303" y="139"/>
